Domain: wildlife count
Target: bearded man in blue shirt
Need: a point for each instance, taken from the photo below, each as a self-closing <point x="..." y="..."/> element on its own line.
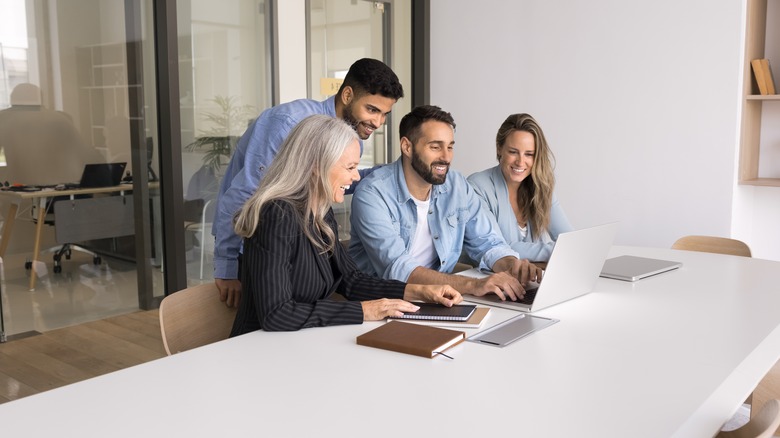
<point x="368" y="93"/>
<point x="412" y="219"/>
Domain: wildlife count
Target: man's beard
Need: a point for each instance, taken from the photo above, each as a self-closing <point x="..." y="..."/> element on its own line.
<point x="426" y="172"/>
<point x="347" y="116"/>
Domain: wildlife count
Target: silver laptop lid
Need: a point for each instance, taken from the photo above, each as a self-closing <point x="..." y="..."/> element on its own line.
<point x="571" y="272"/>
<point x="632" y="268"/>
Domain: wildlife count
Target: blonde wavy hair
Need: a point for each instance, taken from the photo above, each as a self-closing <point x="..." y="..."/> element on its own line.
<point x="534" y="197"/>
<point x="299" y="176"/>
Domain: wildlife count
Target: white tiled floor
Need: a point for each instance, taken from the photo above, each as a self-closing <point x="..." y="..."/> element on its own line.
<point x="82" y="292"/>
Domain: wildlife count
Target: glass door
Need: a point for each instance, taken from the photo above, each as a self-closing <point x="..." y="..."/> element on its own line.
<point x="70" y="96"/>
<point x="224" y="84"/>
<point x="341" y="32"/>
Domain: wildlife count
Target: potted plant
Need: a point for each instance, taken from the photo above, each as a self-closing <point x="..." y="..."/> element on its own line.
<point x="225" y="127"/>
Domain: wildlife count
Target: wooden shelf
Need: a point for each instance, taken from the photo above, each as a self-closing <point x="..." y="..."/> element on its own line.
<point x="758" y="20"/>
<point x="763" y="97"/>
<point x="765" y="182"/>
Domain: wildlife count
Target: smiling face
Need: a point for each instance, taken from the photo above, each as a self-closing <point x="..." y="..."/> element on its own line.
<point x="344" y="172"/>
<point x="365" y="112"/>
<point x="516" y="157"/>
<point x="432" y="154"/>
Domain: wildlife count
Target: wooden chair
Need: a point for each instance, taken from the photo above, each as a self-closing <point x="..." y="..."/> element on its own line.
<point x="763" y="425"/>
<point x="194" y="317"/>
<point x="719" y="245"/>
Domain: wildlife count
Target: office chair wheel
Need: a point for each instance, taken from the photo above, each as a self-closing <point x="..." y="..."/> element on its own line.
<point x="57" y="269"/>
<point x="97" y="260"/>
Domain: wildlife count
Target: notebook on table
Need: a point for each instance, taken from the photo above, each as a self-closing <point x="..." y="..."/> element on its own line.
<point x="573" y="269"/>
<point x="419" y="340"/>
<point x="476" y="320"/>
<point x="632" y="268"/>
<point x="98" y="175"/>
<point x="438" y="312"/>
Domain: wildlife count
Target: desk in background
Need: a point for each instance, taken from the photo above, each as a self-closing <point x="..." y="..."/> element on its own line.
<point x="669" y="356"/>
<point x="41" y="200"/>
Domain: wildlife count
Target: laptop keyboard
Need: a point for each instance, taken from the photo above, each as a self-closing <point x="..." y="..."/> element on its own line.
<point x="529" y="296"/>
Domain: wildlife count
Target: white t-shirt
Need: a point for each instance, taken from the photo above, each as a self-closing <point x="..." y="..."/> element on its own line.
<point x="422" y="249"/>
<point x="523" y="231"/>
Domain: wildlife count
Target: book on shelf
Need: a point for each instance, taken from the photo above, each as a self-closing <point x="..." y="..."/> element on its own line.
<point x="438" y="312"/>
<point x="770" y="82"/>
<point x="763" y="75"/>
<point x="758" y="73"/>
<point x="416" y="339"/>
<point x="476" y="320"/>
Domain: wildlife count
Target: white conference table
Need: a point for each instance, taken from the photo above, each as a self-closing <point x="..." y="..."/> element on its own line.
<point x="669" y="356"/>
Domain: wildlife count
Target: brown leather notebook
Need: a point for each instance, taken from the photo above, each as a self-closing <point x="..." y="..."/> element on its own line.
<point x="419" y="340"/>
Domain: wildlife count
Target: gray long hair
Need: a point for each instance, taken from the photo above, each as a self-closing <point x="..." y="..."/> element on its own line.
<point x="299" y="175"/>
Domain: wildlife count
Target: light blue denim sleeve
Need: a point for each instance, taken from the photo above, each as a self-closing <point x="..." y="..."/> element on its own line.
<point x="263" y="144"/>
<point x="559" y="223"/>
<point x="483" y="240"/>
<point x="378" y="228"/>
<point x="534" y="251"/>
<point x="363" y="173"/>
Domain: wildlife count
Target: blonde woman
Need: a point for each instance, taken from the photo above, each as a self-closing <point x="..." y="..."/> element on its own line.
<point x="519" y="191"/>
<point x="292" y="261"/>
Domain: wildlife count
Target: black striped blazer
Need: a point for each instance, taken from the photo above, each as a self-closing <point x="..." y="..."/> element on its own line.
<point x="286" y="282"/>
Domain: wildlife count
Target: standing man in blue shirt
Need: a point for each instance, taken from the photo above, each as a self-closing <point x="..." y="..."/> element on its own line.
<point x="368" y="93"/>
<point x="411" y="219"/>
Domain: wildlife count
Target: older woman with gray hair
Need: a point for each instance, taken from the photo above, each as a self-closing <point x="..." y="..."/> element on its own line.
<point x="292" y="261"/>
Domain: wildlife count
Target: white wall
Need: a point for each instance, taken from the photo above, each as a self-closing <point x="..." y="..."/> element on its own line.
<point x="292" y="49"/>
<point x="639" y="101"/>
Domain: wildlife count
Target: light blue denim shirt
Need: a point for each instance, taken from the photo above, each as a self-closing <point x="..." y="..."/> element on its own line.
<point x="384" y="219"/>
<point x="255" y="151"/>
<point x="491" y="186"/>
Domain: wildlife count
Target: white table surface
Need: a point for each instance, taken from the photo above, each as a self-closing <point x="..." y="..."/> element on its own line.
<point x="671" y="355"/>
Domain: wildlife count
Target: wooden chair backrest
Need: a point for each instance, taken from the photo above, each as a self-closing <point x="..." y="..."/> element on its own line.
<point x="719" y="245"/>
<point x="762" y="425"/>
<point x="194" y="317"/>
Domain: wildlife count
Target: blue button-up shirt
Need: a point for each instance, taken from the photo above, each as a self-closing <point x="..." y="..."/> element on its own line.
<point x="254" y="153"/>
<point x="490" y="185"/>
<point x="384" y="220"/>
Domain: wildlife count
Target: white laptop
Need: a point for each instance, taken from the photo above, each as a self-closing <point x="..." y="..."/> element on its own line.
<point x="632" y="268"/>
<point x="572" y="271"/>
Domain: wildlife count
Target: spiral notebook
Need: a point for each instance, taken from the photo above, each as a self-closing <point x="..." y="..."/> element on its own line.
<point x="476" y="320"/>
<point x="438" y="312"/>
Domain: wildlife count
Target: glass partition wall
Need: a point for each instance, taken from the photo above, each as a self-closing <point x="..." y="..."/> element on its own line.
<point x="107" y="71"/>
<point x="341" y="32"/>
<point x="224" y="84"/>
<point x="77" y="79"/>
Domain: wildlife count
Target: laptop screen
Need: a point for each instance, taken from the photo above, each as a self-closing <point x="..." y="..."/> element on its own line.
<point x="102" y="175"/>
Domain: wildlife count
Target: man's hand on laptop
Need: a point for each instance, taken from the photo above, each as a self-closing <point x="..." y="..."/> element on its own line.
<point x="502" y="284"/>
<point x="523" y="270"/>
<point x="229" y="290"/>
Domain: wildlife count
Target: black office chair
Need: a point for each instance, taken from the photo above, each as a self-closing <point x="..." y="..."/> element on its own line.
<point x="65" y="249"/>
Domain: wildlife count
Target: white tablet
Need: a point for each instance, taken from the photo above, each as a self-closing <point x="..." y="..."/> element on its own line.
<point x="632" y="268"/>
